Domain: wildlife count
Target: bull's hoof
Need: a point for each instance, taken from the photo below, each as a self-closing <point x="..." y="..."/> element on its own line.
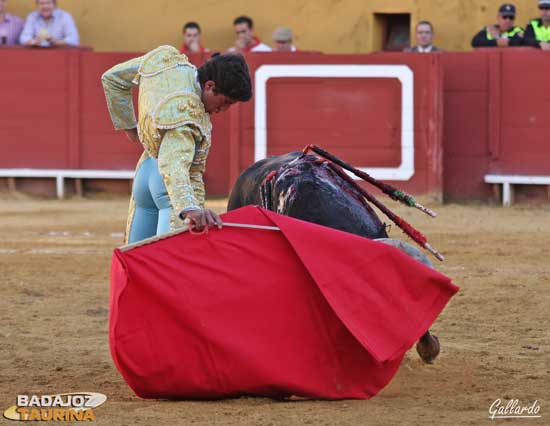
<point x="428" y="348"/>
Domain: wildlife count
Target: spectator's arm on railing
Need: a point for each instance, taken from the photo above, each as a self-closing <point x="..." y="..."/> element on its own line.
<point x="480" y="40"/>
<point x="27" y="35"/>
<point x="72" y="37"/>
<point x="517" y="40"/>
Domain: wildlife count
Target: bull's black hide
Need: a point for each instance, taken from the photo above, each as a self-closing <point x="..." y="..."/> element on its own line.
<point x="309" y="191"/>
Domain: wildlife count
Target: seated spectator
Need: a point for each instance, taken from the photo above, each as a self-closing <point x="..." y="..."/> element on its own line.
<point x="424" y="38"/>
<point x="245" y="40"/>
<point x="537" y="33"/>
<point x="502" y="34"/>
<point x="49" y="26"/>
<point x="10" y="26"/>
<point x="282" y="40"/>
<point x="192" y="39"/>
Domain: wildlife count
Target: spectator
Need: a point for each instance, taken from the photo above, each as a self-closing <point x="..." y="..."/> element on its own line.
<point x="10" y="26"/>
<point x="537" y="33"/>
<point x="192" y="39"/>
<point x="502" y="34"/>
<point x="424" y="38"/>
<point x="246" y="41"/>
<point x="282" y="39"/>
<point x="49" y="26"/>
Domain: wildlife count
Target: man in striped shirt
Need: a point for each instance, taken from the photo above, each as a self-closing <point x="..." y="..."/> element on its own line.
<point x="10" y="26"/>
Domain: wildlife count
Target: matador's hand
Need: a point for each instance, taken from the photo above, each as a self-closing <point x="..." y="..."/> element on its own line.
<point x="202" y="218"/>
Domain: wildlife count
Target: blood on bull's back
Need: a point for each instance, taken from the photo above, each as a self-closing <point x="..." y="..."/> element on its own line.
<point x="309" y="190"/>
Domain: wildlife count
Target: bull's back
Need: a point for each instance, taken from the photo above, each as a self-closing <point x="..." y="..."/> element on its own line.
<point x="324" y="198"/>
<point x="246" y="190"/>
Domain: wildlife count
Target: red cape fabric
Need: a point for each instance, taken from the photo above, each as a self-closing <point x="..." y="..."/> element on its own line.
<point x="308" y="311"/>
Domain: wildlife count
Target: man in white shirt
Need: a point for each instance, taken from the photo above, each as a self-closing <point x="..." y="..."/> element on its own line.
<point x="245" y="41"/>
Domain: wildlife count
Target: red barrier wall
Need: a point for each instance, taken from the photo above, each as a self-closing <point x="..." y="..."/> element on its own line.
<point x="523" y="114"/>
<point x="495" y="112"/>
<point x="474" y="113"/>
<point x="466" y="124"/>
<point x="358" y="119"/>
<point x="100" y="146"/>
<point x="39" y="108"/>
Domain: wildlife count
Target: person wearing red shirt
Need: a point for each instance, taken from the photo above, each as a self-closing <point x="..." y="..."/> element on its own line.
<point x="245" y="40"/>
<point x="192" y="39"/>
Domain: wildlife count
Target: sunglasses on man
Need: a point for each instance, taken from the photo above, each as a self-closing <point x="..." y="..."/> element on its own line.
<point x="544" y="7"/>
<point x="510" y="17"/>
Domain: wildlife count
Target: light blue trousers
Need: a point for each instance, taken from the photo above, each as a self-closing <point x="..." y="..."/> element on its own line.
<point x="152" y="204"/>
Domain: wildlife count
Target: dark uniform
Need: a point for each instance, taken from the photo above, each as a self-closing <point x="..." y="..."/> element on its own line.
<point x="484" y="38"/>
<point x="535" y="33"/>
<point x="419" y="49"/>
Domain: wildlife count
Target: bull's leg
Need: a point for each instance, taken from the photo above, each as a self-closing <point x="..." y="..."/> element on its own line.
<point x="428" y="346"/>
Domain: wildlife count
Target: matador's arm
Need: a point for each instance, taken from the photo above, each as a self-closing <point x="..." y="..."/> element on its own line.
<point x="197" y="170"/>
<point x="118" y="83"/>
<point x="182" y="174"/>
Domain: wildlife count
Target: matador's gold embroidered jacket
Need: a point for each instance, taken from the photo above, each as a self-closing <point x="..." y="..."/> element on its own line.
<point x="173" y="125"/>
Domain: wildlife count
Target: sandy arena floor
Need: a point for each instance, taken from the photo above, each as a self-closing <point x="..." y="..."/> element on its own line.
<point x="495" y="334"/>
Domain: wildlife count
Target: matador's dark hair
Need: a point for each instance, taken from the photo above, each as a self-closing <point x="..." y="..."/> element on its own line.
<point x="230" y="73"/>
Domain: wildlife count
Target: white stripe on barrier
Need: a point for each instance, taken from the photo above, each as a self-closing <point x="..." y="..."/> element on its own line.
<point x="61" y="174"/>
<point x="401" y="72"/>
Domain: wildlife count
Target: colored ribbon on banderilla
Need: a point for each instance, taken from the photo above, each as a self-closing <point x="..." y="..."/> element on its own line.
<point x="392" y="192"/>
<point x="337" y="165"/>
<point x="407" y="228"/>
<point x="266" y="191"/>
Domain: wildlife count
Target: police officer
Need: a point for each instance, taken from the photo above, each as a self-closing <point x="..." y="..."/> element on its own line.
<point x="502" y="34"/>
<point x="537" y="33"/>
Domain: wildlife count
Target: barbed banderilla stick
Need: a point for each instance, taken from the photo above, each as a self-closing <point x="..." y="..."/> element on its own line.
<point x="392" y="192"/>
<point x="266" y="191"/>
<point x="406" y="227"/>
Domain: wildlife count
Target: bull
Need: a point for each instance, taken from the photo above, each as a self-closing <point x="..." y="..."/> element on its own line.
<point x="303" y="187"/>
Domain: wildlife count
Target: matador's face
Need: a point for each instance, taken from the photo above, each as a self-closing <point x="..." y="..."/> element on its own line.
<point x="215" y="102"/>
